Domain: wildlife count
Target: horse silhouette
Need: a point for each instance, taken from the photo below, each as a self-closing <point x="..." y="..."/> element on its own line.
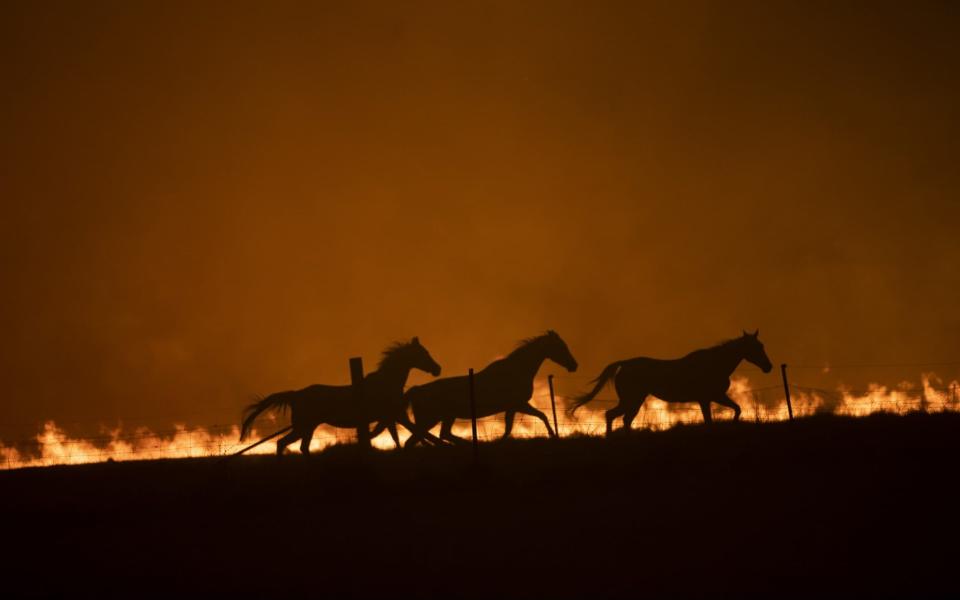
<point x="703" y="376"/>
<point x="381" y="401"/>
<point x="504" y="386"/>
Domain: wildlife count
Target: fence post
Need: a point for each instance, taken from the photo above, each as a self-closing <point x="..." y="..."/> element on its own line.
<point x="356" y="382"/>
<point x="786" y="389"/>
<point x="553" y="405"/>
<point x="473" y="418"/>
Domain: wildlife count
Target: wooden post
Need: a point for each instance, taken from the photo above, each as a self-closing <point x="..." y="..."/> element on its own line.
<point x="356" y="381"/>
<point x="786" y="389"/>
<point x="553" y="405"/>
<point x="473" y="417"/>
<point x="269" y="437"/>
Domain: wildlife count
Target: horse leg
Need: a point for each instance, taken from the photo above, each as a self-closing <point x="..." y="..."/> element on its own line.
<point x="705" y="408"/>
<point x="507" y="423"/>
<point x="629" y="415"/>
<point x="286" y="440"/>
<point x="378" y="429"/>
<point x="413" y="439"/>
<point x="725" y="400"/>
<point x="418" y="434"/>
<point x="305" y="440"/>
<point x="419" y="431"/>
<point x="533" y="411"/>
<point x="392" y="428"/>
<point x="612" y="414"/>
<point x="446" y="432"/>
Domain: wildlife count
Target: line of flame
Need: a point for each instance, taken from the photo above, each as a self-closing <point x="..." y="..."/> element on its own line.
<point x="57" y="447"/>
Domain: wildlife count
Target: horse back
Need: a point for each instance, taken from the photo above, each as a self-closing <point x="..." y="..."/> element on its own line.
<point x="440" y="396"/>
<point x="448" y="397"/>
<point x="332" y="404"/>
<point x="673" y="380"/>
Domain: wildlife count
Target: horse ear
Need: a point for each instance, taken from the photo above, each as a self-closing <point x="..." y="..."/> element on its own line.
<point x="756" y="333"/>
<point x="415" y="341"/>
<point x="745" y="334"/>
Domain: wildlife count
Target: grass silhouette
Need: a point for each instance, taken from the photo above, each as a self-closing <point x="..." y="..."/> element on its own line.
<point x="824" y="504"/>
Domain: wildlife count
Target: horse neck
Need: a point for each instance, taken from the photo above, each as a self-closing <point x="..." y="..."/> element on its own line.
<point x="390" y="375"/>
<point x="729" y="357"/>
<point x="527" y="360"/>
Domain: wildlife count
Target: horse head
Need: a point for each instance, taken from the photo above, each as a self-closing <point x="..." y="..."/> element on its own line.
<point x="421" y="359"/>
<point x="411" y="355"/>
<point x="558" y="352"/>
<point x="753" y="351"/>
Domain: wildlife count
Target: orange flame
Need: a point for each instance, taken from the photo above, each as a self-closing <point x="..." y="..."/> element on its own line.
<point x="56" y="447"/>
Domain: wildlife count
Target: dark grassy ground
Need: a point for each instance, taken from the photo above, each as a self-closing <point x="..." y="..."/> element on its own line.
<point x="826" y="506"/>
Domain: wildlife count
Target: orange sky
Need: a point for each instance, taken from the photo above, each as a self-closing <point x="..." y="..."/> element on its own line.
<point x="205" y="202"/>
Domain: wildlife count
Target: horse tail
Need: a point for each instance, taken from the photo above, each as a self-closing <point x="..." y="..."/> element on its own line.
<point x="605" y="376"/>
<point x="280" y="400"/>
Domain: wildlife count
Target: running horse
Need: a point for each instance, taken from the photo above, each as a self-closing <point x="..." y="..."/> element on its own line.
<point x="504" y="386"/>
<point x="381" y="400"/>
<point x="703" y="376"/>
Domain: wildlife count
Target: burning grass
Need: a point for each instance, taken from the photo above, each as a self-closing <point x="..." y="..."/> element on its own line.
<point x="53" y="445"/>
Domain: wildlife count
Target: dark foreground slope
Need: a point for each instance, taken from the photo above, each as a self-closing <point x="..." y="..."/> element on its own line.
<point x="830" y="505"/>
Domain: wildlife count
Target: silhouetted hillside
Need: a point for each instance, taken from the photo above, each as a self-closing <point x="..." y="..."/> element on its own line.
<point x="825" y="506"/>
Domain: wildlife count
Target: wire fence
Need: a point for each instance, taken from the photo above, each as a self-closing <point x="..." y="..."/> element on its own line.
<point x="53" y="445"/>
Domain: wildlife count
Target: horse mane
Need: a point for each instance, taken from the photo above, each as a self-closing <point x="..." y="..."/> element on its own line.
<point x="527" y="342"/>
<point x="391" y="352"/>
<point x="727" y="342"/>
<point x="721" y="344"/>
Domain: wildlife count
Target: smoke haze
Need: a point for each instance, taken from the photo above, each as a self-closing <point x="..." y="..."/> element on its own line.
<point x="202" y="202"/>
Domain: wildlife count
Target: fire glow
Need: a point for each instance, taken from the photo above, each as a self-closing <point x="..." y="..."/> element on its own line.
<point x="55" y="447"/>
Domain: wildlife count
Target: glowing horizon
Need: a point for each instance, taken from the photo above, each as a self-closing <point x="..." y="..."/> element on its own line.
<point x="56" y="447"/>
